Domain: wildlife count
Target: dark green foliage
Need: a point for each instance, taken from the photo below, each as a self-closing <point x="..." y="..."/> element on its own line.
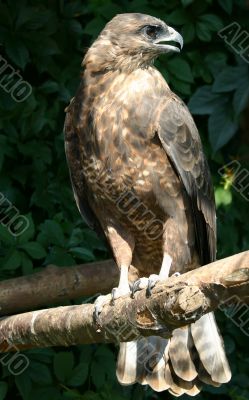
<point x="45" y="41"/>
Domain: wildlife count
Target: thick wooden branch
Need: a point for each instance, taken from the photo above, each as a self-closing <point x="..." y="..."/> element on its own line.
<point x="173" y="303"/>
<point x="54" y="284"/>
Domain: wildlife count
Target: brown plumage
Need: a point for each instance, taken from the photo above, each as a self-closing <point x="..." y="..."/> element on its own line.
<point x="139" y="176"/>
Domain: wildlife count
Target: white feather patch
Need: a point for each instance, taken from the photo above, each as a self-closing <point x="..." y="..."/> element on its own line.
<point x="209" y="345"/>
<point x="127" y="363"/>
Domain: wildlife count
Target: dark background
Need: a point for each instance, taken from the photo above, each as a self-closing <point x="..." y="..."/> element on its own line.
<point x="45" y="41"/>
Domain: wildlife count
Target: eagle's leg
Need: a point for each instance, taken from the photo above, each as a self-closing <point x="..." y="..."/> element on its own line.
<point x="123" y="287"/>
<point x="122" y="245"/>
<point x="150" y="282"/>
<point x="163" y="274"/>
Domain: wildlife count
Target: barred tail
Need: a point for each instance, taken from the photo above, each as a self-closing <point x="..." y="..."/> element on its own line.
<point x="193" y="356"/>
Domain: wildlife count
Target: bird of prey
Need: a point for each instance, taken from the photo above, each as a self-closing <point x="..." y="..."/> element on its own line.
<point x="140" y="177"/>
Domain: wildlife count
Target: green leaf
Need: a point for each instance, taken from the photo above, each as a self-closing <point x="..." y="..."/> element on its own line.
<point x="46" y="47"/>
<point x="227" y="80"/>
<point x="24" y="385"/>
<point x="6" y="18"/>
<point x="12" y="261"/>
<point x="229" y="344"/>
<point x="27" y="265"/>
<point x="104" y="353"/>
<point x="188" y="32"/>
<point x="3" y="390"/>
<point x="186" y="3"/>
<point x="222" y="197"/>
<point x="241" y="96"/>
<point x="83" y="253"/>
<point x="221" y="127"/>
<point x="53" y="232"/>
<point x="203" y="31"/>
<point x="5" y="235"/>
<point x="63" y="365"/>
<point x="25" y="14"/>
<point x="240" y="99"/>
<point x="93" y="26"/>
<point x="17" y="52"/>
<point x="227" y="5"/>
<point x="178" y="17"/>
<point x="79" y="375"/>
<point x="216" y="61"/>
<point x="44" y="355"/>
<point x="204" y="101"/>
<point x="213" y="21"/>
<point x="59" y="256"/>
<point x="98" y="374"/>
<point x="34" y="249"/>
<point x="40" y="373"/>
<point x="50" y="87"/>
<point x="90" y="395"/>
<point x="75" y="27"/>
<point x="29" y="232"/>
<point x="109" y="10"/>
<point x="180" y="69"/>
<point x="86" y="353"/>
<point x="180" y="86"/>
<point x="241" y="380"/>
<point x="45" y="393"/>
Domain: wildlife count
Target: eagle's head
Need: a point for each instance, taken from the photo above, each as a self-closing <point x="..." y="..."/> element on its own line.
<point x="134" y="40"/>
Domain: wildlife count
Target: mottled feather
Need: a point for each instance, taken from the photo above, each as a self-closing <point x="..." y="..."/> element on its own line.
<point x="135" y="159"/>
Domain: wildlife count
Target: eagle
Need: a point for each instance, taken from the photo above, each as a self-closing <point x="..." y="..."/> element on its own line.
<point x="140" y="179"/>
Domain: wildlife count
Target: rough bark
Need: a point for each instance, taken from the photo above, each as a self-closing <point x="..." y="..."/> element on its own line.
<point x="53" y="285"/>
<point x="173" y="303"/>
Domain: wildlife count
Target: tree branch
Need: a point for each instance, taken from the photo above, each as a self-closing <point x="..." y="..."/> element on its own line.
<point x="54" y="284"/>
<point x="176" y="302"/>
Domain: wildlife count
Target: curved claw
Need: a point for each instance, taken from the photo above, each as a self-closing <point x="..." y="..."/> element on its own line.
<point x="149" y="288"/>
<point x="120" y="292"/>
<point x="98" y="306"/>
<point x="140" y="284"/>
<point x="153" y="279"/>
<point x="135" y="288"/>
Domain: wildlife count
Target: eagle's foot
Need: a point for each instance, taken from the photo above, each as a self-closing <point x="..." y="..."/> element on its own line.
<point x="120" y="291"/>
<point x="139" y="284"/>
<point x="145" y="283"/>
<point x="148" y="283"/>
<point x="153" y="279"/>
<point x="99" y="303"/>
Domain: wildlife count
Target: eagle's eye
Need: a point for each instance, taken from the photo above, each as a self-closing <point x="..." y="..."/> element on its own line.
<point x="152" y="31"/>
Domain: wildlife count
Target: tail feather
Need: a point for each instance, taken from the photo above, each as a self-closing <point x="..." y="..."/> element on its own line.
<point x="195" y="390"/>
<point x="180" y="354"/>
<point x="127" y="363"/>
<point x="142" y="359"/>
<point x="156" y="378"/>
<point x="181" y="386"/>
<point x="209" y="345"/>
<point x="174" y="388"/>
<point x="194" y="355"/>
<point x="205" y="378"/>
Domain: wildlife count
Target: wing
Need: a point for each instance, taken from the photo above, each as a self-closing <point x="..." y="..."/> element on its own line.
<point x="72" y="149"/>
<point x="180" y="139"/>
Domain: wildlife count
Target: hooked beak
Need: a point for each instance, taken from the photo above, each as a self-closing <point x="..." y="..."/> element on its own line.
<point x="171" y="41"/>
